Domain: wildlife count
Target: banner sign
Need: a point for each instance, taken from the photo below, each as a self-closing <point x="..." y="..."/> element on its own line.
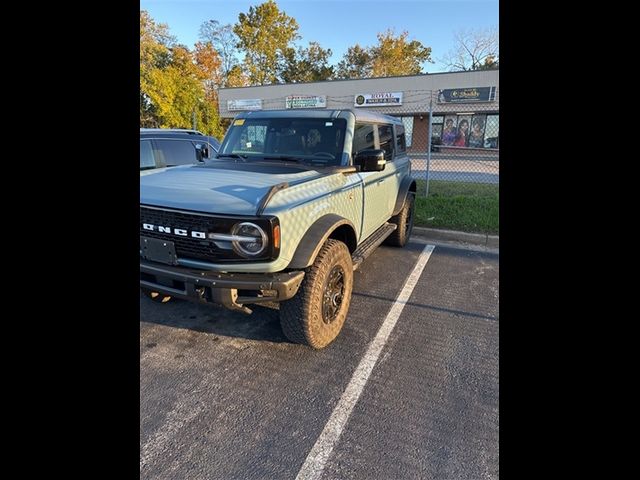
<point x="244" y="104"/>
<point x="465" y="95"/>
<point x="378" y="99"/>
<point x="306" y="101"/>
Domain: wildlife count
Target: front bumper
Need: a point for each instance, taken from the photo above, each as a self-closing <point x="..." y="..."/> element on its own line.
<point x="231" y="290"/>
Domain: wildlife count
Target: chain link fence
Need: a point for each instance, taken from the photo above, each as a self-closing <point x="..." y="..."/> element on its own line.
<point x="451" y="136"/>
<point x="453" y="142"/>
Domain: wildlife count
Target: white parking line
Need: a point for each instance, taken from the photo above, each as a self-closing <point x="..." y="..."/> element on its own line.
<point x="317" y="458"/>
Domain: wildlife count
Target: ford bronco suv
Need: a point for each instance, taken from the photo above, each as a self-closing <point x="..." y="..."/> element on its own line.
<point x="291" y="206"/>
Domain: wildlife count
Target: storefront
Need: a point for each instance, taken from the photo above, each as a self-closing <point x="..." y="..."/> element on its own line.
<point x="464" y="105"/>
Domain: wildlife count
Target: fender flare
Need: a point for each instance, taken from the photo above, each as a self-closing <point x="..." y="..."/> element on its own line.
<point x="407" y="185"/>
<point x="317" y="234"/>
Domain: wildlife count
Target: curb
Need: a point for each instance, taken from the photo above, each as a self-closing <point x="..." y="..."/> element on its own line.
<point x="491" y="241"/>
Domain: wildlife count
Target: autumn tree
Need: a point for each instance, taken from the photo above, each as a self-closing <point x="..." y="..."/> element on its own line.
<point x="224" y="42"/>
<point x="264" y="35"/>
<point x="210" y="66"/>
<point x="393" y="55"/>
<point x="309" y="64"/>
<point x="155" y="42"/>
<point x="355" y="63"/>
<point x="237" y="77"/>
<point x="474" y="49"/>
<point x="397" y="55"/>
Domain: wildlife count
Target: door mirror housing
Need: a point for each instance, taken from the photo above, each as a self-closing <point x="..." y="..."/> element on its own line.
<point x="370" y="160"/>
<point x="202" y="152"/>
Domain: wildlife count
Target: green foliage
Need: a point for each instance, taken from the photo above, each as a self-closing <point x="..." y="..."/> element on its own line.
<point x="307" y="64"/>
<point x="393" y="55"/>
<point x="356" y="63"/>
<point x="265" y="34"/>
<point x="155" y="42"/>
<point x="173" y="81"/>
<point x="398" y="56"/>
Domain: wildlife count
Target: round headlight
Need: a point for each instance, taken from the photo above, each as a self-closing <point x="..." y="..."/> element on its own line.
<point x="250" y="239"/>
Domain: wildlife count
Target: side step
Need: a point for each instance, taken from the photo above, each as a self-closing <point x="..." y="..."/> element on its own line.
<point x="371" y="243"/>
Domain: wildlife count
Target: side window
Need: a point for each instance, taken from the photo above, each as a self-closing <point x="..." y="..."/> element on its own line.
<point x="401" y="142"/>
<point x="146" y="155"/>
<point x="176" y="152"/>
<point x="386" y="141"/>
<point x="362" y="138"/>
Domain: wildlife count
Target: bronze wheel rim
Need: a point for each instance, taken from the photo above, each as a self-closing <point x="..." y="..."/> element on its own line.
<point x="333" y="295"/>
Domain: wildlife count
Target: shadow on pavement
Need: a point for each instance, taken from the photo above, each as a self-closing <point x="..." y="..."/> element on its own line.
<point x="263" y="324"/>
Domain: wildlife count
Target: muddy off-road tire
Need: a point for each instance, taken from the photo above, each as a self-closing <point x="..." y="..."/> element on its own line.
<point x="156" y="296"/>
<point x="316" y="314"/>
<point x="404" y="221"/>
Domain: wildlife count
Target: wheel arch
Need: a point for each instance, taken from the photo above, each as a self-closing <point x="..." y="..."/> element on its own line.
<point x="328" y="226"/>
<point x="407" y="185"/>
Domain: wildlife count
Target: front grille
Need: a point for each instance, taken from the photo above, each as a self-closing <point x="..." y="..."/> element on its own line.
<point x="185" y="247"/>
<point x="194" y="248"/>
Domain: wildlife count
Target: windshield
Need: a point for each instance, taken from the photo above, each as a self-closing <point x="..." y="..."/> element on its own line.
<point x="309" y="140"/>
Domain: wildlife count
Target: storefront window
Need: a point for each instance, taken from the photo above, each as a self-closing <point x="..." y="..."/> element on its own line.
<point x="467" y="130"/>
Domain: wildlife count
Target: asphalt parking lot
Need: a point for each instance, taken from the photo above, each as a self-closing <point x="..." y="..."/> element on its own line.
<point x="223" y="395"/>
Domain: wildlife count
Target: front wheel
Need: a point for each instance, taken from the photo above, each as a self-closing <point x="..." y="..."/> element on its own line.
<point x="404" y="222"/>
<point x="316" y="314"/>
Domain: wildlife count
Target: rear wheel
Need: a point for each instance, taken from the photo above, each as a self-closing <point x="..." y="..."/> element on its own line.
<point x="404" y="222"/>
<point x="156" y="296"/>
<point x="316" y="314"/>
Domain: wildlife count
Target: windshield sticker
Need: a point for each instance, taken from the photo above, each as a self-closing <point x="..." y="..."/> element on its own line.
<point x="239" y="122"/>
<point x="328" y="124"/>
<point x="248" y="144"/>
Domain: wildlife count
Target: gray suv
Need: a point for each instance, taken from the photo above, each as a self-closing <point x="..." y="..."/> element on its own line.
<point x="164" y="147"/>
<point x="293" y="203"/>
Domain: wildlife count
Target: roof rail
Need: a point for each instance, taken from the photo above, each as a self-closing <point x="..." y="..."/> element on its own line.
<point x="179" y="130"/>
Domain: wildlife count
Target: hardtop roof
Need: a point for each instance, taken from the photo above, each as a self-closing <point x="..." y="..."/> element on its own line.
<point x="360" y="115"/>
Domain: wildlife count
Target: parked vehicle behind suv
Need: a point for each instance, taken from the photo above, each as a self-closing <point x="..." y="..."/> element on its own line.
<point x="291" y="206"/>
<point x="163" y="147"/>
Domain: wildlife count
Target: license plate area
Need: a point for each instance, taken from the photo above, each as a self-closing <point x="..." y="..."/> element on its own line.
<point x="156" y="250"/>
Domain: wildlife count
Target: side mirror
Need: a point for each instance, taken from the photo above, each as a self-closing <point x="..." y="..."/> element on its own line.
<point x="370" y="160"/>
<point x="202" y="152"/>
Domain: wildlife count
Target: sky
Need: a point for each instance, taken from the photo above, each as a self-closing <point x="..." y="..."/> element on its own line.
<point x="339" y="24"/>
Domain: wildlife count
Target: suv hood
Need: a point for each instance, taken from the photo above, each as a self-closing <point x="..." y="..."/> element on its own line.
<point x="225" y="188"/>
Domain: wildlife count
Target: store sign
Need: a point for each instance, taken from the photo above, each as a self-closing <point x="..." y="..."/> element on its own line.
<point x="306" y="101"/>
<point x="465" y="95"/>
<point x="244" y="104"/>
<point x="378" y="99"/>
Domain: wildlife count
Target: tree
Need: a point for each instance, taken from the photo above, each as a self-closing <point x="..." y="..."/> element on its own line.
<point x="474" y="50"/>
<point x="155" y="42"/>
<point x="209" y="63"/>
<point x="224" y="42"/>
<point x="356" y="63"/>
<point x="265" y="34"/>
<point x="397" y="56"/>
<point x="237" y="77"/>
<point x="307" y="64"/>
